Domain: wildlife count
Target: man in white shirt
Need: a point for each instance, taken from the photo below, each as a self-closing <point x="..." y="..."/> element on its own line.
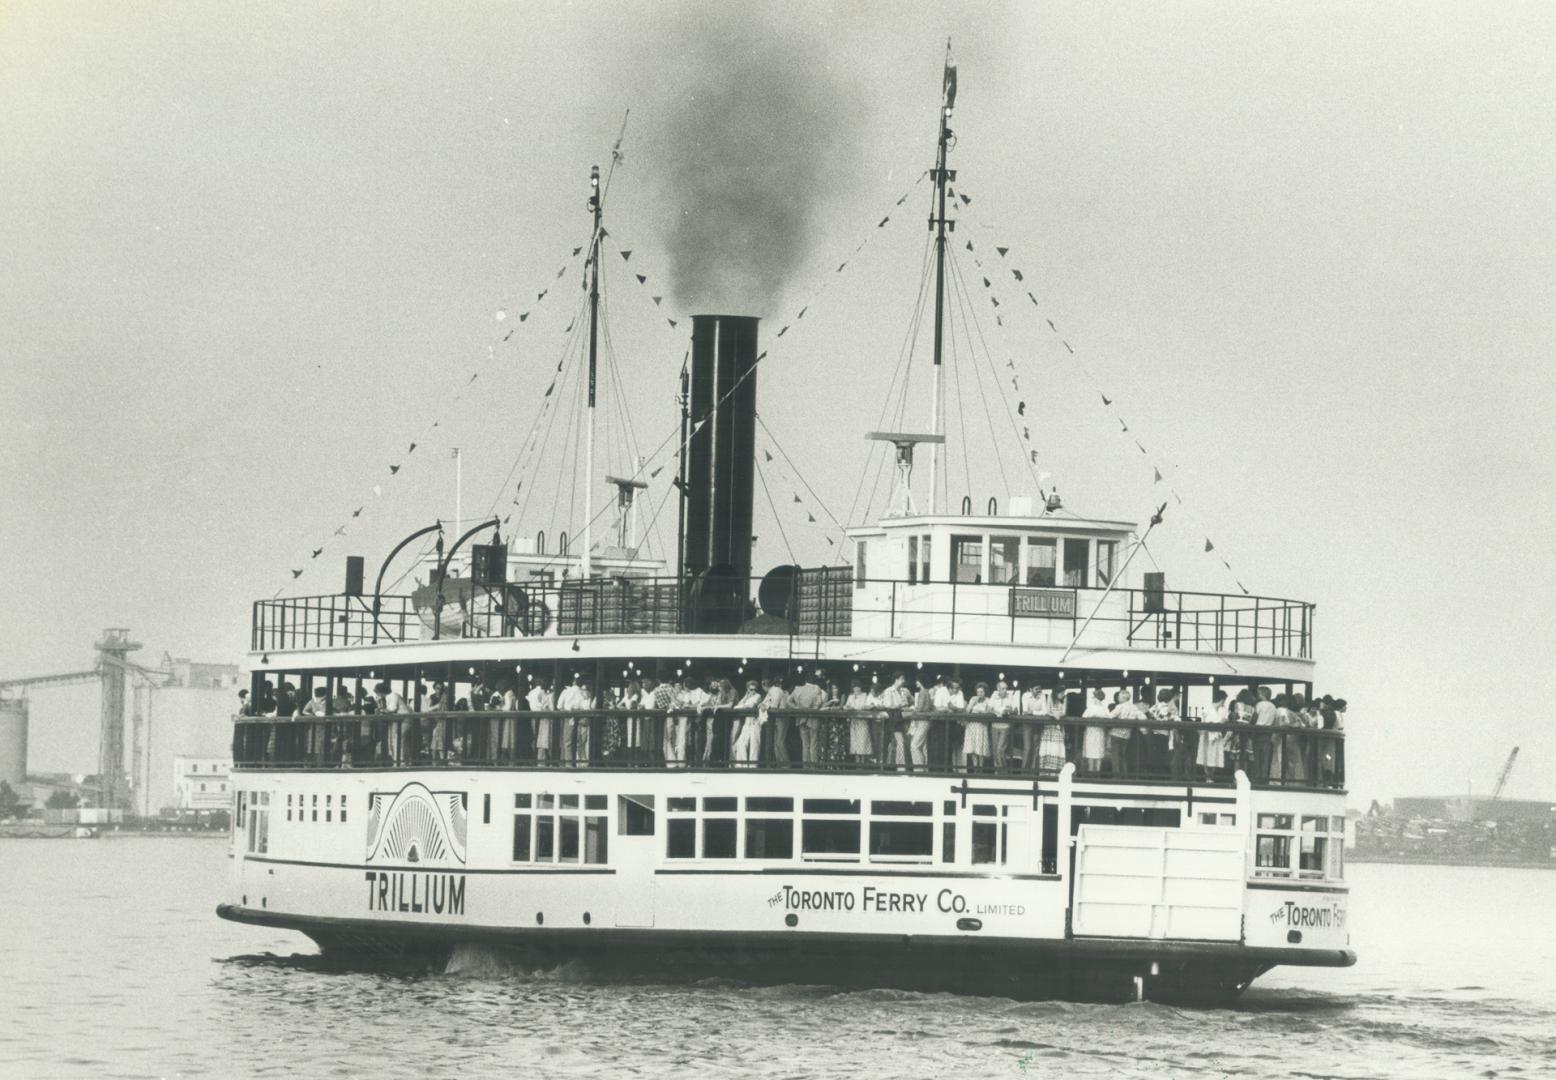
<point x="774" y="697"/>
<point x="1034" y="702"/>
<point x="808" y="697"/>
<point x="1003" y="702"/>
<point x="689" y="699"/>
<point x="895" y="697"/>
<point x="390" y="702"/>
<point x="541" y="700"/>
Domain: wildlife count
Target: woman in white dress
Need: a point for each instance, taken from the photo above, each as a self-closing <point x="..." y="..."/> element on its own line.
<point x="858" y="703"/>
<point x="1212" y="744"/>
<point x="1094" y="741"/>
<point x="975" y="736"/>
<point x="748" y="740"/>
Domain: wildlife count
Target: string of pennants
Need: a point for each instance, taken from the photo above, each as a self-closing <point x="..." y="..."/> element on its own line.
<point x="809" y="502"/>
<point x="394" y="468"/>
<point x="989" y="275"/>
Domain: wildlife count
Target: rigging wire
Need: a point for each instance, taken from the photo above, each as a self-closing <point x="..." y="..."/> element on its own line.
<point x="796" y="471"/>
<point x="959" y="293"/>
<point x="774" y="507"/>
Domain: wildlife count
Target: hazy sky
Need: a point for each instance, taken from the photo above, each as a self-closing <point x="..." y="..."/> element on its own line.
<point x="1308" y="249"/>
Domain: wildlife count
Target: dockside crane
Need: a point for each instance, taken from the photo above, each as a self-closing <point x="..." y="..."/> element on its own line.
<point x="1507" y="768"/>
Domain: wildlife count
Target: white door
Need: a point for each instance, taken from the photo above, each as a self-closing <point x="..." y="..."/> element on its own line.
<point x="635" y="856"/>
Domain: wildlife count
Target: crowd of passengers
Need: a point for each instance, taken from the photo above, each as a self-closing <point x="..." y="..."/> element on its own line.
<point x="904" y="725"/>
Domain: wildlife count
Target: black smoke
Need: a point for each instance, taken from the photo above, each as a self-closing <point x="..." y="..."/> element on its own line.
<point x="756" y="130"/>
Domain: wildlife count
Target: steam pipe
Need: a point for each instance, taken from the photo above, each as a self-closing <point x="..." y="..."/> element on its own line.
<point x="437" y="609"/>
<point x="378" y="586"/>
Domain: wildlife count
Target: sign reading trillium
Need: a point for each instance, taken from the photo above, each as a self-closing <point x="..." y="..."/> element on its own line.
<point x="1042" y="603"/>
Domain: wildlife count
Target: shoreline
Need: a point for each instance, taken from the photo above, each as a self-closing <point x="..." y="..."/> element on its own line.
<point x="1422" y="860"/>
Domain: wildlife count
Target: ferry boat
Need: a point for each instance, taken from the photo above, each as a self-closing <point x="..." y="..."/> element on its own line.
<point x="475" y="769"/>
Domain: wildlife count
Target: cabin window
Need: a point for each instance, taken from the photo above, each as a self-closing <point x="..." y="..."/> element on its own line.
<point x="635" y="815"/>
<point x="1076" y="557"/>
<point x="1041" y="561"/>
<point x="948" y="831"/>
<point x="681" y="839"/>
<point x="967" y="559"/>
<point x="833" y="838"/>
<point x="1217" y="819"/>
<point x="1004" y="560"/>
<point x="859" y="563"/>
<point x="486" y="809"/>
<point x="289" y="808"/>
<point x="895" y="835"/>
<point x="769" y="838"/>
<point x="549" y="836"/>
<point x="718" y="838"/>
<point x="912" y="560"/>
<point x="343" y="809"/>
<point x="986" y="835"/>
<point x="1107" y="559"/>
<point x="923" y="558"/>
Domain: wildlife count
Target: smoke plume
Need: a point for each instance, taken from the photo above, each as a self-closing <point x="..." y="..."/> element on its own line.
<point x="758" y="130"/>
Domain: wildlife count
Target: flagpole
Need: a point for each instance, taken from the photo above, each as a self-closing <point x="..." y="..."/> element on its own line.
<point x="937" y="221"/>
<point x="596" y="207"/>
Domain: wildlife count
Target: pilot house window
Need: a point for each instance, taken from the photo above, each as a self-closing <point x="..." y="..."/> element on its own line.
<point x="1041" y="559"/>
<point x="967" y="559"/>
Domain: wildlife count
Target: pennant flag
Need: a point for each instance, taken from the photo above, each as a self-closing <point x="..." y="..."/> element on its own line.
<point x="508" y="335"/>
<point x="1208" y="545"/>
<point x="884" y="220"/>
<point x="905" y="195"/>
<point x="550" y="388"/>
<point x="1015" y="384"/>
<point x="657" y="299"/>
<point x="829" y="541"/>
<point x="1067" y="348"/>
<point x="656" y="472"/>
<point x="796" y="498"/>
<point x="1021" y="408"/>
<point x="767" y="453"/>
<point x="569" y="329"/>
<point x="1178" y="497"/>
<point x="393" y="469"/>
<point x="1139" y="447"/>
<point x="994" y="300"/>
<point x="1243" y="587"/>
<point x="541" y="295"/>
<point x="1106" y="400"/>
<point x="1122" y="424"/>
<point x="671" y="322"/>
<point x="412" y="450"/>
<point x="1010" y="363"/>
<point x="966" y="201"/>
<point x="1226" y="564"/>
<point x="1051" y="326"/>
<point x="1034" y="457"/>
<point x="840" y="266"/>
<point x="296" y="574"/>
<point x="810" y="518"/>
<point x="316" y="553"/>
<point x="1032" y="298"/>
<point x="523" y="316"/>
<point x="985" y="283"/>
<point x="562" y="271"/>
<point x="576" y="250"/>
<point x="761" y="355"/>
<point x="1002" y="251"/>
<point x="1017" y="274"/>
<point x="625" y="255"/>
<point x="999" y="320"/>
<point x="435" y="423"/>
<point x="642" y="278"/>
<point x="1026" y="433"/>
<point x="357" y="512"/>
<point x="784" y="331"/>
<point x="969" y="245"/>
<point x="1158" y="473"/>
<point x="801" y="315"/>
<point x="340" y="531"/>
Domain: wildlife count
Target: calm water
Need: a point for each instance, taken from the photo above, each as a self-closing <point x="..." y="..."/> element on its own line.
<point x="115" y="966"/>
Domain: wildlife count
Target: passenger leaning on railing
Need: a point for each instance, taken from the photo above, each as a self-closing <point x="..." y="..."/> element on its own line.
<point x="1094" y="740"/>
<point x="809" y="698"/>
<point x="975" y="732"/>
<point x="541" y="700"/>
<point x="918" y="727"/>
<point x="1124" y="708"/>
<point x="1210" y="756"/>
<point x="1003" y="702"/>
<point x="858" y="703"/>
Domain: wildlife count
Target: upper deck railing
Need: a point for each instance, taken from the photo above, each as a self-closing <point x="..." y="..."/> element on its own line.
<point x="832" y="741"/>
<point x="822" y="604"/>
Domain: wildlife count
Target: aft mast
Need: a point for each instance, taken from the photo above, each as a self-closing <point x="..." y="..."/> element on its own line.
<point x="597" y="208"/>
<point x="939" y="224"/>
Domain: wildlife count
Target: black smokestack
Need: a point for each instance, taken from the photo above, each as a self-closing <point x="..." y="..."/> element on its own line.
<point x="758" y="132"/>
<point x="721" y="453"/>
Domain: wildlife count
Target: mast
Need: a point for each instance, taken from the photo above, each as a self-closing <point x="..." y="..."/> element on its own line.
<point x="938" y="223"/>
<point x="596" y="207"/>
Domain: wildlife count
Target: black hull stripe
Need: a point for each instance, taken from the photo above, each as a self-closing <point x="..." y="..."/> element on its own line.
<point x="600" y="937"/>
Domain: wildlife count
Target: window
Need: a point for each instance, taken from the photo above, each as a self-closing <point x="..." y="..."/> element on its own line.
<point x="830" y="837"/>
<point x="923" y="558"/>
<point x="897" y="838"/>
<point x="985" y="835"/>
<point x="859" y="563"/>
<point x="681" y="839"/>
<point x="329" y="807"/>
<point x="635" y="815"/>
<point x="555" y="832"/>
<point x="1272" y="856"/>
<point x="1004" y="560"/>
<point x="948" y="831"/>
<point x="769" y="838"/>
<point x="342" y="809"/>
<point x="1217" y="819"/>
<point x="967" y="559"/>
<point x="1076" y="557"/>
<point x="1107" y="559"/>
<point x="912" y="560"/>
<point x="1312" y="846"/>
<point x="831" y="806"/>
<point x="718" y="838"/>
<point x="1041" y="561"/>
<point x="202" y="787"/>
<point x="258" y="822"/>
<point x="289" y="808"/>
<point x="315" y="816"/>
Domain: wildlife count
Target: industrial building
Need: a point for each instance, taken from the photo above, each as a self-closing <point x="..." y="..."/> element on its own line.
<point x="112" y="733"/>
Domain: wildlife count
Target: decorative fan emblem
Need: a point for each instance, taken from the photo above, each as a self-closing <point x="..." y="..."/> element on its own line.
<point x="416" y="825"/>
